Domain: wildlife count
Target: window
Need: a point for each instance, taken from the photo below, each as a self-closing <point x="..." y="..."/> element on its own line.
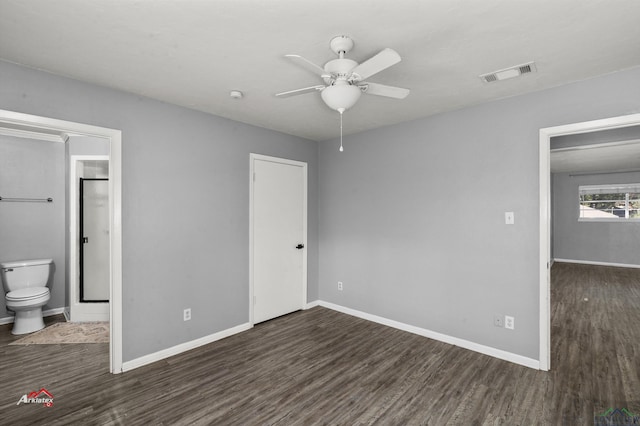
<point x="610" y="202"/>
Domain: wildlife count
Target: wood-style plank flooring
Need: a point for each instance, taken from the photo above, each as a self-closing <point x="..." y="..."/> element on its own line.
<point x="324" y="367"/>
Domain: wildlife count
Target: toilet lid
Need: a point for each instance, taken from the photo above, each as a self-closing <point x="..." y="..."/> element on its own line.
<point x="27" y="293"/>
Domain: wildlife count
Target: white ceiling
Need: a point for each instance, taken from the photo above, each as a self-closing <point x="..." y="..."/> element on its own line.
<point x="192" y="53"/>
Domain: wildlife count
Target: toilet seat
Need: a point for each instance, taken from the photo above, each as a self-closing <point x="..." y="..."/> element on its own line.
<point x="27" y="294"/>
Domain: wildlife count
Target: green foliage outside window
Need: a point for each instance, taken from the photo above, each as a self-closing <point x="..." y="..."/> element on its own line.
<point x="623" y="205"/>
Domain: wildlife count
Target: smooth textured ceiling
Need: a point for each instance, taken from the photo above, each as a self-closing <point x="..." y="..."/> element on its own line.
<point x="192" y="53"/>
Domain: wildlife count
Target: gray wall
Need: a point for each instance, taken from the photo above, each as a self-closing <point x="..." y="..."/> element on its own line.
<point x="185" y="204"/>
<point x="33" y="169"/>
<point x="87" y="145"/>
<point x="412" y="215"/>
<point x="612" y="242"/>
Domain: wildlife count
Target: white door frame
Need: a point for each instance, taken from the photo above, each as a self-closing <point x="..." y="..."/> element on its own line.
<point x="545" y="214"/>
<point x="79" y="311"/>
<point x="11" y="120"/>
<point x="252" y="158"/>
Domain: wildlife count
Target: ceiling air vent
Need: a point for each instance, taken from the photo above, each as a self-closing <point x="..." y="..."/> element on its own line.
<point x="510" y="72"/>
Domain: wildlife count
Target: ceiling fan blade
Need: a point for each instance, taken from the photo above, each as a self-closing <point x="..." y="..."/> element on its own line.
<point x="308" y="65"/>
<point x="377" y="63"/>
<point x="384" y="90"/>
<point x="300" y="91"/>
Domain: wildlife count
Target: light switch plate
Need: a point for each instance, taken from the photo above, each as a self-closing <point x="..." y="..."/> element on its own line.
<point x="509" y="218"/>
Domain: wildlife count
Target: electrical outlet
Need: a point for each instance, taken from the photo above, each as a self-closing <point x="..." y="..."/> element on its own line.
<point x="498" y="321"/>
<point x="187" y="314"/>
<point x="340" y="285"/>
<point x="509" y="322"/>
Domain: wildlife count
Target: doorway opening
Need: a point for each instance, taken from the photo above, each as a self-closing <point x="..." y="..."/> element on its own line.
<point x="545" y="215"/>
<point x="26" y="125"/>
<point x="88" y="238"/>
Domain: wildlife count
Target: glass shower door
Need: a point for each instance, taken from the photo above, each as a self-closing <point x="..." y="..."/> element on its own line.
<point x="94" y="240"/>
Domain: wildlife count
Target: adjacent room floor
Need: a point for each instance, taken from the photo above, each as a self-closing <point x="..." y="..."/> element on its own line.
<point x="323" y="367"/>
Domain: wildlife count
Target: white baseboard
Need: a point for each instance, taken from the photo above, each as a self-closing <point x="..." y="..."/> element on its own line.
<point x="89" y="317"/>
<point x="486" y="350"/>
<point x="47" y="313"/>
<point x="311" y="305"/>
<point x="51" y="312"/>
<point x="183" y="347"/>
<point x="89" y="312"/>
<point x="187" y="346"/>
<point x="590" y="262"/>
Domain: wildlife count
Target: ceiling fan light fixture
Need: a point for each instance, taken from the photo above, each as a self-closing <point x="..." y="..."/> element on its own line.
<point x="341" y="96"/>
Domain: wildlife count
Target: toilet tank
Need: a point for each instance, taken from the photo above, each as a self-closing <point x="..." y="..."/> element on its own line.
<point x="25" y="273"/>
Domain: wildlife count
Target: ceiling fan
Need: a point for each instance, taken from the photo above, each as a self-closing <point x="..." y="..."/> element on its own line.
<point x="344" y="79"/>
<point x="346" y="73"/>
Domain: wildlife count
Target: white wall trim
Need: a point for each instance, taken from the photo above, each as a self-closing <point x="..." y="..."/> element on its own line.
<point x="544" y="266"/>
<point x="597" y="263"/>
<point x="47" y="313"/>
<point x="486" y="350"/>
<point x="476" y="347"/>
<point x="310" y="305"/>
<point x="33" y="134"/>
<point x="183" y="347"/>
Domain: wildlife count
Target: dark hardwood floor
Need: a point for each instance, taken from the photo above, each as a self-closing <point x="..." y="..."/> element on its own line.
<point x="324" y="367"/>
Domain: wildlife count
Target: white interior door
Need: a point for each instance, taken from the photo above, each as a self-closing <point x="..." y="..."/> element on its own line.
<point x="279" y="234"/>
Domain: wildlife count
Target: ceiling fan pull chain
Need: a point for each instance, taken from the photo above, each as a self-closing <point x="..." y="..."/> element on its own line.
<point x="341" y="110"/>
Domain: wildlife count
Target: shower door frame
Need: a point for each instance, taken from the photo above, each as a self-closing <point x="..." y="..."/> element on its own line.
<point x="78" y="311"/>
<point x="82" y="241"/>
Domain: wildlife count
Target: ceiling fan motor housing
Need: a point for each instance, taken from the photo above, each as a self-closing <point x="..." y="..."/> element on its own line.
<point x="339" y="69"/>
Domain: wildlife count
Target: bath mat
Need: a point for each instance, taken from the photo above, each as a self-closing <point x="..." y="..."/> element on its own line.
<point x="68" y="332"/>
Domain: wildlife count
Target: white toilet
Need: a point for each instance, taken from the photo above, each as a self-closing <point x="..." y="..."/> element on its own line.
<point x="25" y="282"/>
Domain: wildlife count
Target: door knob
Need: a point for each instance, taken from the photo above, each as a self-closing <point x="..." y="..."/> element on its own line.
<point x="85" y="240"/>
<point x="300" y="246"/>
